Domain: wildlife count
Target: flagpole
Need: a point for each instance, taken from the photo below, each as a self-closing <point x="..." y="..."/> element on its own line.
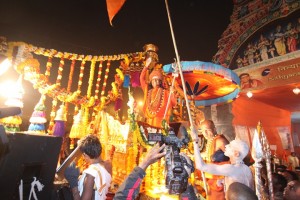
<point x="182" y="82"/>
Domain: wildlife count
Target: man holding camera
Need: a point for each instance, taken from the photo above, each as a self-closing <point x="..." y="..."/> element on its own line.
<point x="130" y="188"/>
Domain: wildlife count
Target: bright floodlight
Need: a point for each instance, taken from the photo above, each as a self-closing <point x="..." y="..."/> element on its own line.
<point x="5" y="64"/>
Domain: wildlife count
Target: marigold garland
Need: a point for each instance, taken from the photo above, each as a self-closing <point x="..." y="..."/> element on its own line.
<point x="91" y="79"/>
<point x="70" y="81"/>
<point x="105" y="78"/>
<point x="60" y="70"/>
<point x="48" y="67"/>
<point x="32" y="66"/>
<point x="66" y="55"/>
<point x="81" y="75"/>
<point x="52" y="116"/>
<point x="98" y="80"/>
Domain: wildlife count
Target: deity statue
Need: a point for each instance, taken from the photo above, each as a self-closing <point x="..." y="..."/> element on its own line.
<point x="156" y="95"/>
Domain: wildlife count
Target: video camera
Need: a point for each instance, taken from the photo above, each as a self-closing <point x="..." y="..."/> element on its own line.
<point x="178" y="166"/>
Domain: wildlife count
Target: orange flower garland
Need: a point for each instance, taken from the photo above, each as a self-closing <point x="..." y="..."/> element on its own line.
<point x="91" y="79"/>
<point x="70" y="81"/>
<point x="81" y="75"/>
<point x="48" y="67"/>
<point x="52" y="116"/>
<point x="60" y="70"/>
<point x="98" y="80"/>
<point x="105" y="78"/>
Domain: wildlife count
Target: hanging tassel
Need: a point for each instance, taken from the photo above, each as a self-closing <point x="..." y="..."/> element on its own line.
<point x="38" y="117"/>
<point x="59" y="128"/>
<point x="60" y="119"/>
<point x="126" y="81"/>
<point x="37" y="128"/>
<point x="77" y="128"/>
<point x="135" y="79"/>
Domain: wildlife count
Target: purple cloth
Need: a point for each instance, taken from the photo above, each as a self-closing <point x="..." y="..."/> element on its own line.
<point x="135" y="79"/>
<point x="59" y="128"/>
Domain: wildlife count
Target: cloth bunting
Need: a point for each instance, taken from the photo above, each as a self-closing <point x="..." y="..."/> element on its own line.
<point x="126" y="81"/>
<point x="135" y="79"/>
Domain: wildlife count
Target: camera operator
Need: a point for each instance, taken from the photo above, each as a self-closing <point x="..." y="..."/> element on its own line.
<point x="131" y="186"/>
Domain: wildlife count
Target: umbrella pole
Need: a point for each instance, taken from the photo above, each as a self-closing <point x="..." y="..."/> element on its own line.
<point x="182" y="81"/>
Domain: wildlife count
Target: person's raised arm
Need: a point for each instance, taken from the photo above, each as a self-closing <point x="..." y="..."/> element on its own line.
<point x="131" y="186"/>
<point x="143" y="80"/>
<point x="199" y="163"/>
<point x="153" y="155"/>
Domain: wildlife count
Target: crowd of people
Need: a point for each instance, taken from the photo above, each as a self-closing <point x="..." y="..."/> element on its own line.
<point x="224" y="175"/>
<point x="228" y="177"/>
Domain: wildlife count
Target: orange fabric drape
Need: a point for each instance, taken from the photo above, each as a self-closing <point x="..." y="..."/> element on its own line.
<point x="248" y="112"/>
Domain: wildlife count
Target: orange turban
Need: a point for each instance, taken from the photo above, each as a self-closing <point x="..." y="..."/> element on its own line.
<point x="156" y="74"/>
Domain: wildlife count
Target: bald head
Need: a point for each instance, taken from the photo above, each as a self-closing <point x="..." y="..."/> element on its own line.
<point x="208" y="129"/>
<point x="208" y="123"/>
<point x="239" y="191"/>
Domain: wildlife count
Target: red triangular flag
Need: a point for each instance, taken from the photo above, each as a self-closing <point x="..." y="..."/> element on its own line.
<point x="113" y="7"/>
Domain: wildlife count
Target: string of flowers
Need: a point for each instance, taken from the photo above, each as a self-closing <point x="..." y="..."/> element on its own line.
<point x="70" y="81"/>
<point x="60" y="70"/>
<point x="76" y="109"/>
<point x="79" y="83"/>
<point x="81" y="75"/>
<point x="89" y="92"/>
<point x="98" y="80"/>
<point x="10" y="49"/>
<point x="91" y="79"/>
<point x="105" y="78"/>
<point x="52" y="116"/>
<point x="48" y="67"/>
<point x="66" y="55"/>
<point x="54" y="102"/>
<point x="97" y="87"/>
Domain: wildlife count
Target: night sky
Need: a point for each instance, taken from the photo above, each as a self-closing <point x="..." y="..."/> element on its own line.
<point x="82" y="26"/>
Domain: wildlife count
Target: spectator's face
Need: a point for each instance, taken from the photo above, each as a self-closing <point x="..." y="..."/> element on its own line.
<point x="292" y="191"/>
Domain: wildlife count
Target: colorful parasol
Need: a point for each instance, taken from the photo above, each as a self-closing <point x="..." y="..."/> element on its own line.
<point x="207" y="83"/>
